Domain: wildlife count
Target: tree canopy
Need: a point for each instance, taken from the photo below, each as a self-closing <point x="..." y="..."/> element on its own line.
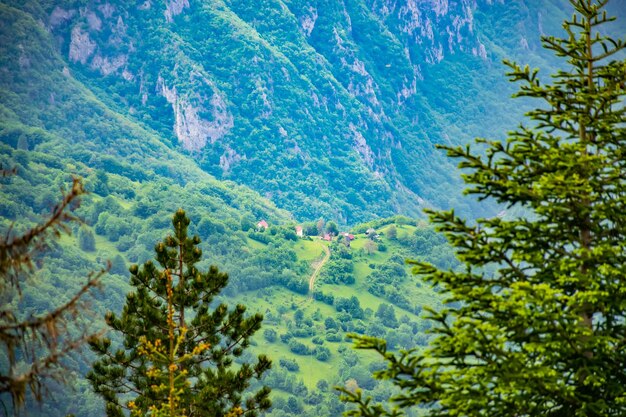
<point x="178" y="351"/>
<point x="535" y="321"/>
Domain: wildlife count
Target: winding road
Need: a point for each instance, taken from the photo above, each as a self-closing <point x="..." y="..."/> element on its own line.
<point x="318" y="268"/>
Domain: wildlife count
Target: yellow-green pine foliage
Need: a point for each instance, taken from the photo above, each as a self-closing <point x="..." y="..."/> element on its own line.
<point x="177" y="352"/>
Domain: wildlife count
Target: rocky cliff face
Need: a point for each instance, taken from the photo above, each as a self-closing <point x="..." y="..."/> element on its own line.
<point x="192" y="130"/>
<point x="99" y="42"/>
<point x="319" y="93"/>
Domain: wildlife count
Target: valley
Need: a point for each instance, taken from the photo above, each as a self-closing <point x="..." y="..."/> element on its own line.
<point x="300" y="137"/>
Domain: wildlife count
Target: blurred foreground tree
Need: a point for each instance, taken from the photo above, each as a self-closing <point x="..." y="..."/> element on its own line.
<point x="545" y="335"/>
<point x="176" y="358"/>
<point x="33" y="347"/>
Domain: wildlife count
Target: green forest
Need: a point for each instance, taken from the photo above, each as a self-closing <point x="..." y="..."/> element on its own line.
<point x="306" y="329"/>
<point x="236" y="209"/>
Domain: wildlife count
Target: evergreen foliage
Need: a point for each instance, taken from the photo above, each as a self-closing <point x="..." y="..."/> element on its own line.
<point x="543" y="335"/>
<point x="176" y="299"/>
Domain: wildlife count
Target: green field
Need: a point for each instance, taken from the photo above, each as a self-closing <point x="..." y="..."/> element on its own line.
<point x="280" y="307"/>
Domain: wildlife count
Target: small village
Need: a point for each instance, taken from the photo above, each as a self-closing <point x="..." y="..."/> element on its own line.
<point x="327" y="235"/>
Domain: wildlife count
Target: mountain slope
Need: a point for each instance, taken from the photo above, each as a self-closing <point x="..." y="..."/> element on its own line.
<point x="53" y="127"/>
<point x="306" y="102"/>
<point x="239" y="111"/>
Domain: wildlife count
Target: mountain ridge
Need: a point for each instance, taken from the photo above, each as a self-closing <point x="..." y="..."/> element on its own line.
<point x="312" y="95"/>
<point x="294" y="112"/>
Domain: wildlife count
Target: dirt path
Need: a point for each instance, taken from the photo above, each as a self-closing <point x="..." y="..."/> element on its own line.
<point x="318" y="268"/>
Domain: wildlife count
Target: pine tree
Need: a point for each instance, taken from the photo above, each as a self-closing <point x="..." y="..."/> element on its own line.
<point x="177" y="353"/>
<point x="545" y="334"/>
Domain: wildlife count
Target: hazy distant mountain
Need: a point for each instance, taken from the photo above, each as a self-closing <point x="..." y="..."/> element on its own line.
<point x="327" y="108"/>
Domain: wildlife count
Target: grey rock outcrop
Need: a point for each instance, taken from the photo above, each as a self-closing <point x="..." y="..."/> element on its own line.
<point x="81" y="46"/>
<point x="193" y="131"/>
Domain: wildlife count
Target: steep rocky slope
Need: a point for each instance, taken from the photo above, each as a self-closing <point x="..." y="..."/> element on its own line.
<point x="328" y="108"/>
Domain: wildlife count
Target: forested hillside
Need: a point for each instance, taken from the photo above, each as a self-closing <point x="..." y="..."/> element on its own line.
<point x="304" y="102"/>
<point x="299" y="138"/>
<point x="312" y="293"/>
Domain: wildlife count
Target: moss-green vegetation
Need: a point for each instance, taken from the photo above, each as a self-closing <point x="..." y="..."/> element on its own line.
<point x="334" y="113"/>
<point x="270" y="273"/>
<point x="322" y="109"/>
<point x="309" y="334"/>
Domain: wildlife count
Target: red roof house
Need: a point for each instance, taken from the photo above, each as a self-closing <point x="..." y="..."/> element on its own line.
<point x="348" y="235"/>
